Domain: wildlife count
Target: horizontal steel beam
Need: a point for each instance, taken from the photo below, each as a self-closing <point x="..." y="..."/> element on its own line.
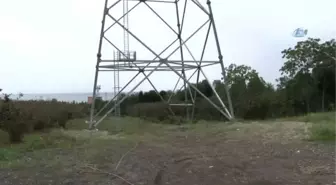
<point x="158" y="61"/>
<point x="145" y="70"/>
<point x="181" y="105"/>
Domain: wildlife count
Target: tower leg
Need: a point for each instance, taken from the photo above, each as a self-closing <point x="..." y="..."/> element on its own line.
<point x="97" y="68"/>
<point x="220" y="56"/>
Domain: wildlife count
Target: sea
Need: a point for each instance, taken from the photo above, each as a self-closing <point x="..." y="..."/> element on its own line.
<point x="64" y="97"/>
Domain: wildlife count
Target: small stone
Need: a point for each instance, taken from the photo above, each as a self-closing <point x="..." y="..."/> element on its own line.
<point x="210" y="166"/>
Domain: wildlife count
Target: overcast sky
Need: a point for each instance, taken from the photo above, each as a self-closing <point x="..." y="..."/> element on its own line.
<point x="50" y="46"/>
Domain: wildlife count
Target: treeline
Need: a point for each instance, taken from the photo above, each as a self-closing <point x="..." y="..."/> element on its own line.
<point x="307" y="84"/>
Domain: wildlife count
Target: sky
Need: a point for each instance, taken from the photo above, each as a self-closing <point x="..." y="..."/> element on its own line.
<point x="50" y="46"/>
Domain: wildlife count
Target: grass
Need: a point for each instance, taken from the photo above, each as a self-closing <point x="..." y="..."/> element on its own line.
<point x="323" y="125"/>
<point x="34" y="142"/>
<point x="132" y="129"/>
<point x="323" y="132"/>
<point x="126" y="126"/>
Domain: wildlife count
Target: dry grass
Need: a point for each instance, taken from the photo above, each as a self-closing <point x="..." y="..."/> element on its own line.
<point x="112" y="154"/>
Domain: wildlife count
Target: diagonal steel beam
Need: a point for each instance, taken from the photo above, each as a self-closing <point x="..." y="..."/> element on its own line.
<point x="113" y="5"/>
<point x="134" y="77"/>
<point x="122" y="17"/>
<point x="116" y="95"/>
<point x="196" y="89"/>
<point x="200" y="6"/>
<point x="115" y="46"/>
<point x="191" y="96"/>
<point x="155" y="1"/>
<point x="165" y="22"/>
<point x="189" y="38"/>
<point x="183" y="16"/>
<point x="125" y="97"/>
<point x="135" y="37"/>
<point x="198" y="73"/>
<point x="216" y="94"/>
<point x="158" y="93"/>
<point x="182" y="86"/>
<point x="171" y="96"/>
<point x="180" y="28"/>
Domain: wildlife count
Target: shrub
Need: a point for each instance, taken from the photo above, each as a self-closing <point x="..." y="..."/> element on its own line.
<point x="12" y="120"/>
<point x="20" y="117"/>
<point x="52" y="114"/>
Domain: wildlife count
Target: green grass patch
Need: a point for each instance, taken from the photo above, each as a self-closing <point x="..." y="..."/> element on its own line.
<point x="319" y="117"/>
<point x="313" y="117"/>
<point x="323" y="131"/>
<point x="37" y="141"/>
<point x="323" y="125"/>
<point x="323" y="128"/>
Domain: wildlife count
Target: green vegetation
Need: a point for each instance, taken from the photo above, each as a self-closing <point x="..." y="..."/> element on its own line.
<point x="20" y="117"/>
<point x="305" y="92"/>
<point x="323" y="127"/>
<point x="34" y="142"/>
<point x="307" y="85"/>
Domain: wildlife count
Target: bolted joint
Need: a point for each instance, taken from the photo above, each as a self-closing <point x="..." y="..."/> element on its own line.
<point x="106" y="10"/>
<point x="99" y="55"/>
<point x="208" y="2"/>
<point x="164" y="60"/>
<point x="142" y="70"/>
<point x="179" y="36"/>
<point x="142" y="1"/>
<point x="220" y="57"/>
<point x="199" y="67"/>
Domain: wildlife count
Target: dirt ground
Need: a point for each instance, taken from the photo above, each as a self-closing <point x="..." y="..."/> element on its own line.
<point x="240" y="154"/>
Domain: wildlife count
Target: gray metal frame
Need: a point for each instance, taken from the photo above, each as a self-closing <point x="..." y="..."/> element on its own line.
<point x="160" y="64"/>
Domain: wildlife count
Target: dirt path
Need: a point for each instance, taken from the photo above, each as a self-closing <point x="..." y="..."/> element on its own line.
<point x="238" y="157"/>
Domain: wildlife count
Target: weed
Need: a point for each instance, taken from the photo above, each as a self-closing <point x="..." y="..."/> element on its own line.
<point x="324" y="131"/>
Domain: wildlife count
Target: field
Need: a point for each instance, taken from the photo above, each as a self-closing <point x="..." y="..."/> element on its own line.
<point x="131" y="151"/>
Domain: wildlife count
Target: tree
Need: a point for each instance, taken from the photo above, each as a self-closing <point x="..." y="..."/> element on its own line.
<point x="309" y="71"/>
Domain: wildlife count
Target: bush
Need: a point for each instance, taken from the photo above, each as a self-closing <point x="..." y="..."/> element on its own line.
<point x="20" y="117"/>
<point x="12" y="120"/>
<point x="52" y="114"/>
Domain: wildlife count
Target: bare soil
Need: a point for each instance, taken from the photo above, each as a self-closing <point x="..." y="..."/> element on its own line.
<point x="243" y="154"/>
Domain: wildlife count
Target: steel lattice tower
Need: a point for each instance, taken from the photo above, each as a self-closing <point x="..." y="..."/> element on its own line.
<point x="127" y="61"/>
